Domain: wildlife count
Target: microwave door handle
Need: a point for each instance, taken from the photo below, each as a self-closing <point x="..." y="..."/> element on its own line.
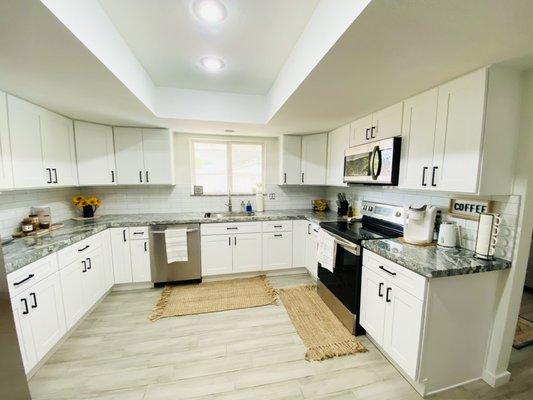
<point x="375" y="169"/>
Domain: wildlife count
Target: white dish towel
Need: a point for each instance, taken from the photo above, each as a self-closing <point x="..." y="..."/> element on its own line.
<point x="327" y="250"/>
<point x="176" y="243"/>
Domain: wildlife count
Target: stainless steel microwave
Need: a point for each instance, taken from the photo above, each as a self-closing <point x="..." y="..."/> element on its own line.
<point x="376" y="163"/>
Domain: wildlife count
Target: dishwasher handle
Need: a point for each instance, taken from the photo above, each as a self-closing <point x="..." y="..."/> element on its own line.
<point x="188" y="231"/>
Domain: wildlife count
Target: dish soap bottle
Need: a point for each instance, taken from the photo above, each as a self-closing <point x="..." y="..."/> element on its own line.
<point x="243" y="206"/>
<point x="249" y="207"/>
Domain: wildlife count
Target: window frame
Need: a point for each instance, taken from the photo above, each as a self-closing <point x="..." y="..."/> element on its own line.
<point x="229" y="163"/>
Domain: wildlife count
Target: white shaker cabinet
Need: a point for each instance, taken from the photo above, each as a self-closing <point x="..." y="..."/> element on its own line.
<point x="314" y="159"/>
<point x="6" y="171"/>
<point x="129" y="156"/>
<point x="338" y="142"/>
<point x="247" y="250"/>
<point x="290" y="159"/>
<point x="72" y="288"/>
<point x="311" y="249"/>
<point x="22" y="318"/>
<point x="140" y="261"/>
<point x="277" y="250"/>
<point x="299" y="240"/>
<point x="120" y="245"/>
<point x="382" y="124"/>
<point x="372" y="304"/>
<point x="217" y="254"/>
<point x="360" y="130"/>
<point x="95" y="153"/>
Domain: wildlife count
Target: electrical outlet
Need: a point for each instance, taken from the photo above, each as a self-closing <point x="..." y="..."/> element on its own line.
<point x="272" y="196"/>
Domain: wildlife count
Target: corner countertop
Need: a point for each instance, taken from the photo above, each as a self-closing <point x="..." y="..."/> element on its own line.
<point x="23" y="251"/>
<point x="432" y="261"/>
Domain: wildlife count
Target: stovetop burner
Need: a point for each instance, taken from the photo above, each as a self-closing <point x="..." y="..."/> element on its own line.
<point x="354" y="232"/>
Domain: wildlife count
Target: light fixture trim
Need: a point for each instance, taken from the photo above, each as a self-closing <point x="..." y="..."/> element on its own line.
<point x="210" y="11"/>
<point x="212" y="64"/>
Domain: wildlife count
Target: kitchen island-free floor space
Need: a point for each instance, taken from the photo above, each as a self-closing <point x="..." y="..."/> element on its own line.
<point x="255" y="353"/>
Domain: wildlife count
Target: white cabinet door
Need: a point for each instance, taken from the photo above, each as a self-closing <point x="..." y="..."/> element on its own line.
<point x="158" y="157"/>
<point x="372" y="313"/>
<point x="95" y="154"/>
<point x="277" y="250"/>
<point x="6" y="172"/>
<point x="129" y="156"/>
<point x="403" y="319"/>
<point x="217" y="254"/>
<point x="25" y="137"/>
<point x="311" y="250"/>
<point x="360" y="131"/>
<point x="299" y="239"/>
<point x="314" y="159"/>
<point x="247" y="250"/>
<point x="94" y="280"/>
<point x="21" y="313"/>
<point x="59" y="155"/>
<point x="459" y="132"/>
<point x="387" y="123"/>
<point x="47" y="314"/>
<point x="74" y="301"/>
<point x="290" y="157"/>
<point x="120" y="246"/>
<point x="420" y="115"/>
<point x="338" y="142"/>
<point x="140" y="261"/>
<point x="107" y="254"/>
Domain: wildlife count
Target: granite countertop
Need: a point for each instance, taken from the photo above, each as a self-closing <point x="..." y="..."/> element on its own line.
<point x="432" y="261"/>
<point x="23" y="251"/>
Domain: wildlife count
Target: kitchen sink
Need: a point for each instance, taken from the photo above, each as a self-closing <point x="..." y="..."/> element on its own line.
<point x="218" y="215"/>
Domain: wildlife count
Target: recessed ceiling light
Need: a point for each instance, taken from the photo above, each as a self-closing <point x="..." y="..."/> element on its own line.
<point x="210" y="10"/>
<point x="212" y="64"/>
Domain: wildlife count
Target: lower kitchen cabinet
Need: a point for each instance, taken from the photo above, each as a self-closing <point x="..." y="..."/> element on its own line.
<point x="311" y="249"/>
<point x="72" y="288"/>
<point x="120" y="245"/>
<point x="22" y="317"/>
<point x="372" y="303"/>
<point x="247" y="251"/>
<point x="277" y="250"/>
<point x="140" y="261"/>
<point x="217" y="255"/>
<point x="299" y="239"/>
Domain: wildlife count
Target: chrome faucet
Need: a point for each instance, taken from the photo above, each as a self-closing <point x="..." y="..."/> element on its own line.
<point x="230" y="207"/>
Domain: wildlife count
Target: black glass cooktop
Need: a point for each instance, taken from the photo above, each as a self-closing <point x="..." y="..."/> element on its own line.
<point x="357" y="231"/>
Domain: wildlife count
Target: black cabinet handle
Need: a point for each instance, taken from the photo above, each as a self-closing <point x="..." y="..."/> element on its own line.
<point x="284" y="177"/>
<point x="372" y="132"/>
<point x="90" y="263"/>
<point x="235" y="240"/>
<point x="147" y="178"/>
<point x="83" y="249"/>
<point x="278" y="235"/>
<point x="138" y="233"/>
<point x="433" y="176"/>
<point x="303" y="177"/>
<point x="367" y="132"/>
<point x="34" y="297"/>
<point x="145" y="246"/>
<point x="141" y="176"/>
<point x="55" y="175"/>
<point x="308" y="229"/>
<point x="112" y="176"/>
<point x="379" y="290"/>
<point x="386" y="270"/>
<point x="229" y="241"/>
<point x="232" y="228"/>
<point x="387" y="296"/>
<point x="84" y="266"/>
<point x="24" y="280"/>
<point x="278" y="226"/>
<point x="424" y="176"/>
<point x="124" y="234"/>
<point x="26" y="310"/>
<point x="49" y="175"/>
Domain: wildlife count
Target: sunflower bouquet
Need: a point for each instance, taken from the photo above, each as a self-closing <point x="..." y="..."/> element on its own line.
<point x="87" y="204"/>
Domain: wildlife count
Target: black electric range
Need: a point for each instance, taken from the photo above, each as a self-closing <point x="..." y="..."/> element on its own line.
<point x="341" y="288"/>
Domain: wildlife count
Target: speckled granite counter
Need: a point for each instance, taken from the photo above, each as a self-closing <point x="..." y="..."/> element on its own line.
<point x="433" y="262"/>
<point x="21" y="252"/>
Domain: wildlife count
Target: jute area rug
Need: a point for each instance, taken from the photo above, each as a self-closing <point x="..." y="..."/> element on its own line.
<point x="209" y="297"/>
<point x="322" y="333"/>
<point x="524" y="333"/>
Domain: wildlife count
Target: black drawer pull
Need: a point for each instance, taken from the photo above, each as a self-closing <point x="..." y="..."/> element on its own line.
<point x="278" y="235"/>
<point x="232" y="228"/>
<point x="24" y="280"/>
<point x="278" y="226"/>
<point x="138" y="233"/>
<point x="83" y="249"/>
<point x="26" y="310"/>
<point x="34" y="297"/>
<point x="387" y="296"/>
<point x="386" y="270"/>
<point x="379" y="290"/>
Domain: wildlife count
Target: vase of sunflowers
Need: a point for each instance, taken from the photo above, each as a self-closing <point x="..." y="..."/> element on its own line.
<point x="88" y="205"/>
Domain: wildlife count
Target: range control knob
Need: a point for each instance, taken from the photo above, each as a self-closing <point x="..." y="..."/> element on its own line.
<point x="370" y="208"/>
<point x="398" y="214"/>
<point x="364" y="207"/>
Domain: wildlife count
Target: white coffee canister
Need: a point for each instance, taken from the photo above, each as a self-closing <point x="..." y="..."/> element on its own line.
<point x="487" y="235"/>
<point x="447" y="235"/>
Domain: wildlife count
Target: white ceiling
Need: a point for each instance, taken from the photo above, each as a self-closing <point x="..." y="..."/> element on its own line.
<point x="254" y="41"/>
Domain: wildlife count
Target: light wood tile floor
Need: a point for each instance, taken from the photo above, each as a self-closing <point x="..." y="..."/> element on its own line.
<point x="117" y="354"/>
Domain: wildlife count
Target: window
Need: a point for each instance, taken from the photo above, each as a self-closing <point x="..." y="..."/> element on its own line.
<point x="221" y="166"/>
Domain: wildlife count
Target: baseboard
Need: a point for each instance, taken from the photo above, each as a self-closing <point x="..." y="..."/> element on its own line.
<point x="452" y="386"/>
<point x="496" y="380"/>
<point x="275" y="272"/>
<point x="132" y="286"/>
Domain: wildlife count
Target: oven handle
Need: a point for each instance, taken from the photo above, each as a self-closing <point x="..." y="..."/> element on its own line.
<point x="349" y="246"/>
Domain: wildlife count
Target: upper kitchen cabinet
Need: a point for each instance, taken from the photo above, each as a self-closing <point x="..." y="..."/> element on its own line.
<point x="95" y="153"/>
<point x="144" y="156"/>
<point x="290" y="159"/>
<point x="314" y="159"/>
<point x="42" y="146"/>
<point x="6" y="172"/>
<point x="338" y="142"/>
<point x="473" y="134"/>
<point x="380" y="125"/>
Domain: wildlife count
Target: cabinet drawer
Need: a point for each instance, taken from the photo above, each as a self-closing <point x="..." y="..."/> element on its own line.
<point x="70" y="254"/>
<point x="277" y="226"/>
<point x="406" y="280"/>
<point x="230" y="227"/>
<point x="139" y="232"/>
<point x="32" y="273"/>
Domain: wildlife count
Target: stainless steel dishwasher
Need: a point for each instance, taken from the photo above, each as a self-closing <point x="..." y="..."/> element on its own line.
<point x="183" y="271"/>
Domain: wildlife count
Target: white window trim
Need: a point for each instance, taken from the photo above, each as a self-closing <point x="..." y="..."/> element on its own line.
<point x="229" y="143"/>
